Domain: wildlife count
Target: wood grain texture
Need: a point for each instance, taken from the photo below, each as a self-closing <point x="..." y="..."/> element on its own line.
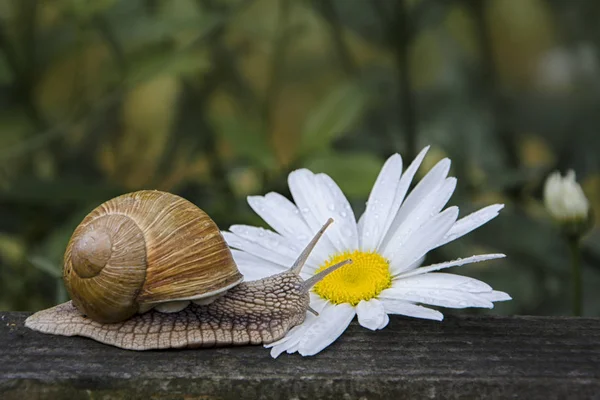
<point x="462" y="357"/>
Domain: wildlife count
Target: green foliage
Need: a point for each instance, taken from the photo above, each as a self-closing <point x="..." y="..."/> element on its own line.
<point x="218" y="100"/>
<point x="332" y="117"/>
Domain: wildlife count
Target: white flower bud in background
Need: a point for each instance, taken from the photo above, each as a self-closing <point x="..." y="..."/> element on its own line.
<point x="565" y="199"/>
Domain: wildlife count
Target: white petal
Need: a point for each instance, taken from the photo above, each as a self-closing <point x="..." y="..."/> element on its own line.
<point x="320" y="198"/>
<point x="239" y="243"/>
<point x="380" y="202"/>
<point x="287" y="343"/>
<point x="371" y="314"/>
<point x="471" y="222"/>
<point x="496" y="296"/>
<point x="448" y="264"/>
<point x="285" y="218"/>
<point x="386" y="320"/>
<point x="282" y="215"/>
<point x="331" y="323"/>
<point x="436" y="297"/>
<point x="432" y="179"/>
<point x="411" y="310"/>
<point x="360" y="224"/>
<point x="317" y="304"/>
<point x="306" y="192"/>
<point x="343" y="232"/>
<point x="421" y="241"/>
<point x="440" y="280"/>
<point x="316" y="301"/>
<point x="254" y="268"/>
<point x="269" y="240"/>
<point x="290" y="342"/>
<point x="416" y="264"/>
<point x="401" y="190"/>
<point x="429" y="184"/>
<point x="427" y="209"/>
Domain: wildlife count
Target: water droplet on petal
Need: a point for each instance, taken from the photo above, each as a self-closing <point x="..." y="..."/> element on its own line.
<point x="330" y="206"/>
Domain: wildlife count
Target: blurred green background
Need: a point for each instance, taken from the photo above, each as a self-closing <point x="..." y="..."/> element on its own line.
<point x="216" y="100"/>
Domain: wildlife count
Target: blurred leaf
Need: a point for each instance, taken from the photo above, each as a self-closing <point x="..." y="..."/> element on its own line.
<point x="85" y="9"/>
<point x="521" y="31"/>
<point x="47" y="266"/>
<point x="61" y="292"/>
<point x="145" y="67"/>
<point x="355" y="173"/>
<point x="591" y="188"/>
<point x="73" y="80"/>
<point x="247" y="138"/>
<point x="12" y="248"/>
<point x="57" y="193"/>
<point x="14" y="127"/>
<point x="535" y="152"/>
<point x="148" y="114"/>
<point x="244" y="181"/>
<point x="143" y="30"/>
<point x="6" y="75"/>
<point x="333" y="116"/>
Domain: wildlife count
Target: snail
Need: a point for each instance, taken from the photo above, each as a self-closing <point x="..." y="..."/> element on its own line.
<point x="150" y="270"/>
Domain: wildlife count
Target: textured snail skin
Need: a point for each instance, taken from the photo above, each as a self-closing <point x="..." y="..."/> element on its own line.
<point x="257" y="312"/>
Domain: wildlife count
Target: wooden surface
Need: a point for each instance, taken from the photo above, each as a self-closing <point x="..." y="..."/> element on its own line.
<point x="462" y="357"/>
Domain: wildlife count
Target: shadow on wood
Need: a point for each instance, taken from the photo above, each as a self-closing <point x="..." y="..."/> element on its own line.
<point x="462" y="357"/>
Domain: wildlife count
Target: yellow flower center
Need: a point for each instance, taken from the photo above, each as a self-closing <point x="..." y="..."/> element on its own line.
<point x="364" y="279"/>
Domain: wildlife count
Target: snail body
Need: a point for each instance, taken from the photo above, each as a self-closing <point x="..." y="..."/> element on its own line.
<point x="150" y="270"/>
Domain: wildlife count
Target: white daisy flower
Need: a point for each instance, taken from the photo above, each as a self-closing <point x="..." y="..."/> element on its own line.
<point x="386" y="246"/>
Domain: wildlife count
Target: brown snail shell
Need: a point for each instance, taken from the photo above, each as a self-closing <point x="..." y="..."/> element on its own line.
<point x="144" y="249"/>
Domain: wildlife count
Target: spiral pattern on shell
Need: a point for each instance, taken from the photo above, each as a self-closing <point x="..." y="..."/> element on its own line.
<point x="142" y="249"/>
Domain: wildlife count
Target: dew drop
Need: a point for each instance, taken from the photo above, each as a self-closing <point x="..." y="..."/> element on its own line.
<point x="344" y="214"/>
<point x="330" y="206"/>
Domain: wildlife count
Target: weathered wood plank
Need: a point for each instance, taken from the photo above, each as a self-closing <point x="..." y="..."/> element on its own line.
<point x="463" y="357"/>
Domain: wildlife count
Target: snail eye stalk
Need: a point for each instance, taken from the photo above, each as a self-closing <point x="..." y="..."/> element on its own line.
<point x="313" y="280"/>
<point x="299" y="263"/>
